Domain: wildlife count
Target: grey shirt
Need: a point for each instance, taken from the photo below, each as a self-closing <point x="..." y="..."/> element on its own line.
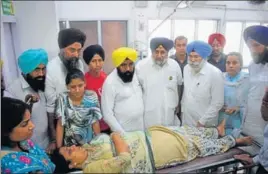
<point x="182" y="65"/>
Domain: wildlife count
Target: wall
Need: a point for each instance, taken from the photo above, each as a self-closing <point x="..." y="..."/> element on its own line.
<point x="112" y="10"/>
<point x="37" y="26"/>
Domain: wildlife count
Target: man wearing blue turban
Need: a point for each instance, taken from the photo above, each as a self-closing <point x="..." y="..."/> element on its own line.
<point x="161" y="80"/>
<point x="29" y="87"/>
<point x="256" y="38"/>
<point x="203" y="87"/>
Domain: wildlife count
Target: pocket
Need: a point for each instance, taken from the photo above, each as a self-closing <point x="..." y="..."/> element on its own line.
<point x="172" y="94"/>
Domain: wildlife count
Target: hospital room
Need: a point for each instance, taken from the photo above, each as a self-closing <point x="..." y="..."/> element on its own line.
<point x="80" y="87"/>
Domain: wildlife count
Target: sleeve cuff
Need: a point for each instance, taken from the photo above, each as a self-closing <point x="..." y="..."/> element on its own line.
<point x="202" y="121"/>
<point x="50" y="109"/>
<point x="256" y="159"/>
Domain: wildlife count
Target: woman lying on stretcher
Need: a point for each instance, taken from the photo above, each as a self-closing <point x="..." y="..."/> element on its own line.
<point x="143" y="152"/>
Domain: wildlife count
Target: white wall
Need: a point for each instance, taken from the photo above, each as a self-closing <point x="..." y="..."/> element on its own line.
<point x="37" y="25"/>
<point x="112" y="10"/>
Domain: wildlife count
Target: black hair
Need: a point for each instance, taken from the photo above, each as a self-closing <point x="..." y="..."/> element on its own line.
<point x="91" y="50"/>
<point x="62" y="165"/>
<point x="180" y="38"/>
<point x="69" y="36"/>
<point x="12" y="113"/>
<point x="74" y="74"/>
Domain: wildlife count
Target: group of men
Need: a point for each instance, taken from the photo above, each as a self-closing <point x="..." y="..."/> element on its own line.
<point x="184" y="89"/>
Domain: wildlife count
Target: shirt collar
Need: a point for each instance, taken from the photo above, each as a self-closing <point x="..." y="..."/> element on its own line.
<point x="24" y="83"/>
<point x="222" y="57"/>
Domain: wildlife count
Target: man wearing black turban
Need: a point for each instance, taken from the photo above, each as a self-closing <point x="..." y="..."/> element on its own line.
<point x="71" y="42"/>
<point x="161" y="80"/>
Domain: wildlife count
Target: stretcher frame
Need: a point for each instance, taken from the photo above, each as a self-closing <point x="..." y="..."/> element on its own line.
<point x="210" y="164"/>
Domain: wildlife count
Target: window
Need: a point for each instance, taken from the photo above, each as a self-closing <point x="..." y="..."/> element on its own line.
<point x="62" y="25"/>
<point x="110" y="34"/>
<point x="90" y="28"/>
<point x="246" y="54"/>
<point x="164" y="30"/>
<point x="206" y="28"/>
<point x="185" y="28"/>
<point x="114" y="35"/>
<point x="233" y="35"/>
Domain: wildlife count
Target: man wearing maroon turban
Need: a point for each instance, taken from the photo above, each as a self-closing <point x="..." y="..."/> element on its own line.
<point x="217" y="58"/>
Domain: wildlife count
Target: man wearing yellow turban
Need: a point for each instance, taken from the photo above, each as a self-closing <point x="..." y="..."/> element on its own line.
<point x="161" y="80"/>
<point x="121" y="100"/>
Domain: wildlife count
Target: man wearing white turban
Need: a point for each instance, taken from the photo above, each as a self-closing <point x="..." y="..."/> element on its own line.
<point x="203" y="87"/>
<point x="121" y="99"/>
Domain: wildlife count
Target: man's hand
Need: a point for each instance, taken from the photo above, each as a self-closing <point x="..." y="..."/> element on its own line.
<point x="31" y="98"/>
<point x="245" y="158"/>
<point x="51" y="147"/>
<point x="178" y="113"/>
<point x="199" y="124"/>
<point x="230" y="111"/>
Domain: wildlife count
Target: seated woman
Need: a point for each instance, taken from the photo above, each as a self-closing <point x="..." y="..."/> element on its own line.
<point x="143" y="152"/>
<point x="78" y="112"/>
<point x="235" y="93"/>
<point x="18" y="153"/>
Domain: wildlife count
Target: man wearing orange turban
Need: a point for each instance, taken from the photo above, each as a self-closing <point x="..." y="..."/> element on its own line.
<point x="217" y="58"/>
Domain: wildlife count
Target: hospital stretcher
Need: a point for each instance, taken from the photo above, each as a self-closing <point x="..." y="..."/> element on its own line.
<point x="210" y="163"/>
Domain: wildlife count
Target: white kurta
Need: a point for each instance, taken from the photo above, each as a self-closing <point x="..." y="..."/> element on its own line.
<point x="203" y="95"/>
<point x="55" y="81"/>
<point x="253" y="122"/>
<point x="122" y="104"/>
<point x="19" y="89"/>
<point x="160" y="91"/>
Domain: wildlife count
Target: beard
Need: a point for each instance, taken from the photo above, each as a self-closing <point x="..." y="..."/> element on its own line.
<point x="70" y="63"/>
<point x="196" y="66"/>
<point x="258" y="58"/>
<point x="126" y="76"/>
<point x="216" y="53"/>
<point x="37" y="83"/>
<point x="160" y="63"/>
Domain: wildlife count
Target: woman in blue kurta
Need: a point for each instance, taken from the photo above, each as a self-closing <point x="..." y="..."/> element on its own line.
<point x="18" y="153"/>
<point x="235" y="93"/>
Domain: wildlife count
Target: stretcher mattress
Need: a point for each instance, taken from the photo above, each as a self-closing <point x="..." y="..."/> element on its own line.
<point x="215" y="160"/>
<point x="205" y="162"/>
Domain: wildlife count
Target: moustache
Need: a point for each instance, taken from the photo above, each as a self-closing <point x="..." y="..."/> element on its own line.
<point x="127" y="73"/>
<point x="194" y="63"/>
<point x="39" y="78"/>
